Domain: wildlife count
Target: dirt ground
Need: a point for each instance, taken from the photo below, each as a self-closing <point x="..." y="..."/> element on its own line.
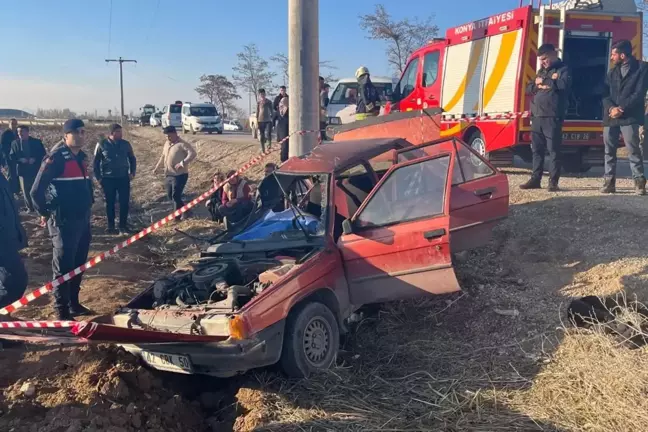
<point x="498" y="356"/>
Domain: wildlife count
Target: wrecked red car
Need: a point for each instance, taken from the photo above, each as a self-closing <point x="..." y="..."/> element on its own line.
<point x="364" y="221"/>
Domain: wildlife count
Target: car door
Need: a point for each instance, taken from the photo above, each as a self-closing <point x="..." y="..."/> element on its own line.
<point x="431" y="79"/>
<point x="480" y="193"/>
<point x="407" y="91"/>
<point x="397" y="245"/>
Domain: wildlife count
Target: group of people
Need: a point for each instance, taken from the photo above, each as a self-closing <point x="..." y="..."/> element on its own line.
<point x="624" y="107"/>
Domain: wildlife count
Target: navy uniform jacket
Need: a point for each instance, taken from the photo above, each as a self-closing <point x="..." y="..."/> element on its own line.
<point x="12" y="235"/>
<point x="65" y="176"/>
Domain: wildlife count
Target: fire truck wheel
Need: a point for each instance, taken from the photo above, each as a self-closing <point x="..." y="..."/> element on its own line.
<point x="477" y="142"/>
<point x="311" y="340"/>
<point x="574" y="164"/>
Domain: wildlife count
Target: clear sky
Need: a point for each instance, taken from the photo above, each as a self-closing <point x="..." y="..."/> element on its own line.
<point x="53" y="51"/>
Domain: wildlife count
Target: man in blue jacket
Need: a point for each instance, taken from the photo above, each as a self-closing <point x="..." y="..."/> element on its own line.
<point x="64" y="173"/>
<point x="13" y="276"/>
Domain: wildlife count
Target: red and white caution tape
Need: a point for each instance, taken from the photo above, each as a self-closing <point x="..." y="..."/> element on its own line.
<point x="39" y="324"/>
<point x="102" y="256"/>
<point x="494" y="116"/>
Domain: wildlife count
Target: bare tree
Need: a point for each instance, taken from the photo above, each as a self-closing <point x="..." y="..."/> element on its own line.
<point x="402" y="37"/>
<point x="218" y="89"/>
<point x="55" y="113"/>
<point x="282" y="62"/>
<point x="251" y="71"/>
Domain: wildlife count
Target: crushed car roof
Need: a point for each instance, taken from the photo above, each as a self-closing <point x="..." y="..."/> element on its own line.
<point x="334" y="156"/>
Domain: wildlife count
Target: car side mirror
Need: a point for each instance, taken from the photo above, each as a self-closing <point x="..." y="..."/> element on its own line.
<point x="347" y="227"/>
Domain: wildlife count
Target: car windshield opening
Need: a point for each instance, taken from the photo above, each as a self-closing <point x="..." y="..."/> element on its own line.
<point x="288" y="207"/>
<point x="204" y="111"/>
<point x="347" y="93"/>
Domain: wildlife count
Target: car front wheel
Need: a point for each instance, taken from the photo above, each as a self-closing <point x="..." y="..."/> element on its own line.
<point x="311" y="340"/>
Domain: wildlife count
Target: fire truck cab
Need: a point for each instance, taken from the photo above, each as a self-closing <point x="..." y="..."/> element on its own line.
<point x="478" y="73"/>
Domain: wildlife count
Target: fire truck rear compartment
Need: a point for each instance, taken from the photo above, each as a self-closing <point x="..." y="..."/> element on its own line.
<point x="588" y="58"/>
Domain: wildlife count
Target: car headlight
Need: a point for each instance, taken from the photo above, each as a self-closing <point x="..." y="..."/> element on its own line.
<point x="335" y="120"/>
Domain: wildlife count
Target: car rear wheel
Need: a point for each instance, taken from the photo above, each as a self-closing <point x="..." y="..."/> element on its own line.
<point x="311" y="340"/>
<point x="574" y="163"/>
<point x="193" y="132"/>
<point x="219" y="131"/>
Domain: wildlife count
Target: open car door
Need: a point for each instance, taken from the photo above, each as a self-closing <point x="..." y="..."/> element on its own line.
<point x="480" y="193"/>
<point x="397" y="245"/>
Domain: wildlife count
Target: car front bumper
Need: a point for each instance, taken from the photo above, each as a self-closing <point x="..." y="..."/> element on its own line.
<point x="208" y="127"/>
<point x="220" y="359"/>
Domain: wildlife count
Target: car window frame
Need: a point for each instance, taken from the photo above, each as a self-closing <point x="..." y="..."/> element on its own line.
<point x="386" y="177"/>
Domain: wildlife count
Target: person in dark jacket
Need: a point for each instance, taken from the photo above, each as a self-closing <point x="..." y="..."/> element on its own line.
<point x="114" y="168"/>
<point x="7" y="137"/>
<point x="368" y="98"/>
<point x="215" y="199"/>
<point x="13" y="276"/>
<point x="282" y="128"/>
<point x="26" y="155"/>
<point x="64" y="172"/>
<point x="550" y="91"/>
<point x="623" y="106"/>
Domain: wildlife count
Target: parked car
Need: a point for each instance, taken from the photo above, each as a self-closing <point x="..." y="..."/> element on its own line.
<point x="254" y="126"/>
<point x="201" y="117"/>
<point x="171" y="115"/>
<point x="365" y="221"/>
<point x="232" y="125"/>
<point x="156" y="119"/>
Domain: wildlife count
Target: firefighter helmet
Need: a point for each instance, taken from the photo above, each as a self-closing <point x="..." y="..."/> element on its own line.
<point x="362" y="70"/>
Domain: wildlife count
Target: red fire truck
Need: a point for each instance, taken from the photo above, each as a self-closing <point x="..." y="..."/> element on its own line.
<point x="480" y="70"/>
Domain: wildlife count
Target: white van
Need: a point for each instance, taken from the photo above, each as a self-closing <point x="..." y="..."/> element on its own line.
<point x="341" y="108"/>
<point x="171" y="115"/>
<point x="201" y="117"/>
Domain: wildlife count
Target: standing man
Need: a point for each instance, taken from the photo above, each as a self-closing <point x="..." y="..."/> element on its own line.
<point x="114" y="168"/>
<point x="26" y="155"/>
<point x="623" y="106"/>
<point x="275" y="107"/>
<point x="324" y="101"/>
<point x="177" y="154"/>
<point x="64" y="172"/>
<point x="550" y="91"/>
<point x="265" y="114"/>
<point x="7" y="137"/>
<point x="368" y="97"/>
<point x="13" y="276"/>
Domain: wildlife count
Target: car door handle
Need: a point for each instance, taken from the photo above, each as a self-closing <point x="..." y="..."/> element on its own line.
<point x="429" y="235"/>
<point x="484" y="192"/>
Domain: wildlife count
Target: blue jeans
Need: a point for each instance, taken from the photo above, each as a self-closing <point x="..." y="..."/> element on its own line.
<point x="633" y="144"/>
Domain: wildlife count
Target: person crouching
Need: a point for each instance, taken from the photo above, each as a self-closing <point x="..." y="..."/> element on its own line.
<point x="236" y="201"/>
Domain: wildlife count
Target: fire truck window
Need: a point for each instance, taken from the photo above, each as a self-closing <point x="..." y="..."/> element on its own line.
<point x="411" y="192"/>
<point x="472" y="166"/>
<point x="430" y="68"/>
<point x="408" y="80"/>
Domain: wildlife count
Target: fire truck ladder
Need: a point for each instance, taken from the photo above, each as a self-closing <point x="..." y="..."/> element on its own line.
<point x="542" y="25"/>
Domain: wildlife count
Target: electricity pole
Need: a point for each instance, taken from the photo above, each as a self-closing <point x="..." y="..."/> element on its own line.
<point x="121" y="81"/>
<point x="303" y="68"/>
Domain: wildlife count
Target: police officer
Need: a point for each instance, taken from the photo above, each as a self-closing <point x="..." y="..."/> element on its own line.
<point x="368" y="98"/>
<point x="550" y="90"/>
<point x="114" y="168"/>
<point x="13" y="276"/>
<point x="64" y="172"/>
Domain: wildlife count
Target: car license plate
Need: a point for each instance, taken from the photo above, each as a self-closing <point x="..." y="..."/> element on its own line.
<point x="168" y="362"/>
<point x="576" y="136"/>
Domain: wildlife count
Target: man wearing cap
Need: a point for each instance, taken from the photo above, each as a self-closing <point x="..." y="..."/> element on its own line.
<point x="176" y="156"/>
<point x="64" y="172"/>
<point x="114" y="168"/>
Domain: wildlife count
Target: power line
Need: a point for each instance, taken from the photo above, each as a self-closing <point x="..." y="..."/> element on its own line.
<point x="121" y="61"/>
<point x="110" y="28"/>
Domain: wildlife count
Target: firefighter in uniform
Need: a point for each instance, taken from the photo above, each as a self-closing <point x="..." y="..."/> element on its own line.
<point x="368" y="98"/>
<point x="64" y="175"/>
<point x="550" y="91"/>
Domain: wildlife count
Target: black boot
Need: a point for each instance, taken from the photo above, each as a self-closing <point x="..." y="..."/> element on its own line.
<point x="533" y="183"/>
<point x="640" y="185"/>
<point x="64" y="314"/>
<point x="553" y="186"/>
<point x="609" y="187"/>
<point x="79" y="310"/>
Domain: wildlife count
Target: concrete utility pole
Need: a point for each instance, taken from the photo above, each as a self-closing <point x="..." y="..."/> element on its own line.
<point x="303" y="72"/>
<point x="121" y="81"/>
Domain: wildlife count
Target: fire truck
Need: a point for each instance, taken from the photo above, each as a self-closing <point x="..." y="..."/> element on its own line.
<point x="478" y="73"/>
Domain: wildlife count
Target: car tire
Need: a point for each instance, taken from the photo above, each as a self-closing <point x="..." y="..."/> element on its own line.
<point x="191" y="129"/>
<point x="311" y="340"/>
<point x="219" y="132"/>
<point x="574" y="164"/>
<point x="477" y="143"/>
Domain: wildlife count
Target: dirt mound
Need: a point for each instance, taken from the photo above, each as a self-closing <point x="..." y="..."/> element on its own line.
<point x="93" y="389"/>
